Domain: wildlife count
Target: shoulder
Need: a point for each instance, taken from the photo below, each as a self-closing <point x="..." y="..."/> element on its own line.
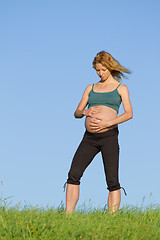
<point x="123" y="90"/>
<point x="88" y="88"/>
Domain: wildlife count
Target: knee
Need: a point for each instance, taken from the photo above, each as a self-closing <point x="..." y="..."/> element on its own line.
<point x="73" y="177"/>
<point x="113" y="186"/>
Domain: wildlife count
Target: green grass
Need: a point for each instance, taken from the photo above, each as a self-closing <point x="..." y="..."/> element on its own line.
<point x="95" y="224"/>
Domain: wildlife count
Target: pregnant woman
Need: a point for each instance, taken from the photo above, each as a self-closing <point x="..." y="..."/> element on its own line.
<point x="103" y="99"/>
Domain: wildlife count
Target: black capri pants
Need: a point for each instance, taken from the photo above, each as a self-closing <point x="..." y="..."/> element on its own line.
<point x="91" y="144"/>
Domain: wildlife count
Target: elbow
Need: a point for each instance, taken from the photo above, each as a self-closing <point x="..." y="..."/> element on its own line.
<point x="78" y="113"/>
<point x="130" y="115"/>
<point x="75" y="115"/>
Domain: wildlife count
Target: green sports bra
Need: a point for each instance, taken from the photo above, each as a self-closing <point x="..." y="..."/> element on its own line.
<point x="110" y="99"/>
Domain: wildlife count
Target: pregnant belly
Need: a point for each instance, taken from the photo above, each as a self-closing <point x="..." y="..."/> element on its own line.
<point x="106" y="112"/>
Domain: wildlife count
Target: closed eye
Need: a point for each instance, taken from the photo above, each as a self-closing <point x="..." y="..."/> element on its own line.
<point x="102" y="70"/>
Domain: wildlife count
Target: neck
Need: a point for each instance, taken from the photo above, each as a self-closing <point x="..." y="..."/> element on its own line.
<point x="107" y="81"/>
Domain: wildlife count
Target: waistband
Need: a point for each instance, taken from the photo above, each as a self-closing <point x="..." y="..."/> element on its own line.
<point x="103" y="134"/>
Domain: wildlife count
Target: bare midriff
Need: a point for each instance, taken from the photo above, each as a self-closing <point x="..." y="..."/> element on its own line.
<point x="106" y="112"/>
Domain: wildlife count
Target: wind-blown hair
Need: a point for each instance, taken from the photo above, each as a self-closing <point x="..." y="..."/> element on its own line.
<point x="111" y="64"/>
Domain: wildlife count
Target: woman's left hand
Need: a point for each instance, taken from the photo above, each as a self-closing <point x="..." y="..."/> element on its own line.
<point x="98" y="124"/>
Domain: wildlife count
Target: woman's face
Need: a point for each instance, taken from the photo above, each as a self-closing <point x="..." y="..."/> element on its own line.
<point x="102" y="71"/>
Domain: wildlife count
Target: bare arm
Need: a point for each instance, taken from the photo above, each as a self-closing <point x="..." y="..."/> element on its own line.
<point x="128" y="112"/>
<point x="80" y="111"/>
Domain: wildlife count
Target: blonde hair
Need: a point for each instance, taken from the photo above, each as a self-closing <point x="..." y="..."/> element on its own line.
<point x="111" y="64"/>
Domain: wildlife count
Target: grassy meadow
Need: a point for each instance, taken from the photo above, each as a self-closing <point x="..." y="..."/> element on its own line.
<point x="87" y="224"/>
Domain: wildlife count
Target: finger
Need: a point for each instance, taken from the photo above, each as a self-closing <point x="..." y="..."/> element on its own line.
<point x="94" y="122"/>
<point x="94" y="126"/>
<point x="96" y="110"/>
<point x="95" y="129"/>
<point x="93" y="114"/>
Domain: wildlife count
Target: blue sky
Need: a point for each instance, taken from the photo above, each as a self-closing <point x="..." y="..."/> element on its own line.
<point x="46" y="54"/>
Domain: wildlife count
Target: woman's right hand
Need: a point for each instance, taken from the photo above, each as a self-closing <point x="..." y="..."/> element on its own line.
<point x="91" y="111"/>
